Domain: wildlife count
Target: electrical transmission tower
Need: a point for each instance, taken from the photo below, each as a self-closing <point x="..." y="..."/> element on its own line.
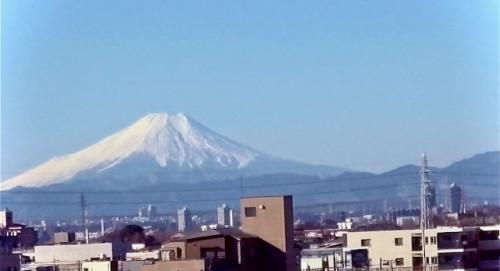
<point x="425" y="195"/>
<point x="83" y="204"/>
<point x="426" y="192"/>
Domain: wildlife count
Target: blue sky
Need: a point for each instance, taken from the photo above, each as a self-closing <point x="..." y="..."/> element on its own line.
<point x="362" y="84"/>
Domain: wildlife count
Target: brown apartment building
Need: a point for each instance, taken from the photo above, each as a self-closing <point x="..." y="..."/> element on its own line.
<point x="264" y="242"/>
<point x="271" y="219"/>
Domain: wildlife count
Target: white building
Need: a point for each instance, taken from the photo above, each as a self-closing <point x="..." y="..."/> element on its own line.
<point x="79" y="252"/>
<point x="225" y="215"/>
<point x="348" y="224"/>
<point x="184" y="219"/>
<point x="334" y="257"/>
<point x="6" y="218"/>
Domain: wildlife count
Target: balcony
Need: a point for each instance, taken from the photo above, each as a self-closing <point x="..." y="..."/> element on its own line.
<point x="489" y="244"/>
<point x="456" y="241"/>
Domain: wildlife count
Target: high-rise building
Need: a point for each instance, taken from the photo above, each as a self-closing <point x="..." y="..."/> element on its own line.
<point x="143" y="212"/>
<point x="456" y="198"/>
<point x="271" y="219"/>
<point x="432" y="197"/>
<point x="225" y="215"/>
<point x="6" y="218"/>
<point x="184" y="222"/>
<point x="152" y="211"/>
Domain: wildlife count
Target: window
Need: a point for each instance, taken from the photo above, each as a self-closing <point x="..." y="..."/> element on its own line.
<point x="208" y="253"/>
<point x="400" y="261"/>
<point x="426" y="240"/>
<point x="434" y="260"/>
<point x="433" y="240"/>
<point x="251" y="253"/>
<point x="250" y="211"/>
<point x="489" y="235"/>
<point x="426" y="260"/>
<point x="416" y="243"/>
<point x="398" y="241"/>
<point x="366" y="242"/>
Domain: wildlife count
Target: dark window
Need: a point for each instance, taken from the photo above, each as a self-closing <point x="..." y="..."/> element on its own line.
<point x="488" y="235"/>
<point x="400" y="261"/>
<point x="208" y="253"/>
<point x="366" y="242"/>
<point x="434" y="260"/>
<point x="398" y="241"/>
<point x="416" y="243"/>
<point x="491" y="255"/>
<point x="250" y="211"/>
<point x="417" y="261"/>
<point x="433" y="240"/>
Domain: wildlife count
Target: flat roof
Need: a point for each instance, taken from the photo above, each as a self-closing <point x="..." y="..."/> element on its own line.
<point x="235" y="233"/>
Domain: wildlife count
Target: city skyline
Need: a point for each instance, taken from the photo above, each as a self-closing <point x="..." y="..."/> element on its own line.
<point x="368" y="86"/>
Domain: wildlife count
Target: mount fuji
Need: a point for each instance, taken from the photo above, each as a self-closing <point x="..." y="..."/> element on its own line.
<point x="159" y="148"/>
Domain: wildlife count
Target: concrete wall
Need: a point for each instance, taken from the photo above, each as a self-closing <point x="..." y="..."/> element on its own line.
<point x="78" y="252"/>
<point x="100" y="266"/>
<point x="194" y="247"/>
<point x="64" y="237"/>
<point x="179" y="248"/>
<point x="132" y="265"/>
<point x="182" y="265"/>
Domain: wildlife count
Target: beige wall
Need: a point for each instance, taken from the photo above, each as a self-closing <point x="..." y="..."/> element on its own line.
<point x="79" y="252"/>
<point x="175" y="245"/>
<point x="383" y="245"/>
<point x="194" y="247"/>
<point x="100" y="266"/>
<point x="183" y="265"/>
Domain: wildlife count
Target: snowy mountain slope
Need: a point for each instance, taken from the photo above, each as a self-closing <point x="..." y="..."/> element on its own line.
<point x="158" y="147"/>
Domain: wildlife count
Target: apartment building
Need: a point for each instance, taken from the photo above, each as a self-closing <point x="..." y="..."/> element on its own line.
<point x="264" y="242"/>
<point x="446" y="248"/>
<point x="472" y="248"/>
<point x="396" y="248"/>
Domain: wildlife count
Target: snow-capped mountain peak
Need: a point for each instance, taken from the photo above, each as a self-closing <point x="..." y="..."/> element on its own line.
<point x="167" y="139"/>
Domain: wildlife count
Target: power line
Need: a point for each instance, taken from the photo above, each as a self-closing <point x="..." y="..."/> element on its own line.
<point x="206" y="200"/>
<point x="332" y="180"/>
<point x="239" y="186"/>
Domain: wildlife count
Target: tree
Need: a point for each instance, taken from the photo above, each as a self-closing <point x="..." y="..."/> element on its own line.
<point x="132" y="233"/>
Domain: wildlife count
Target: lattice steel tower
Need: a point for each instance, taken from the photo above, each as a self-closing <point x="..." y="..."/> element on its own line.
<point x="83" y="205"/>
<point x="426" y="193"/>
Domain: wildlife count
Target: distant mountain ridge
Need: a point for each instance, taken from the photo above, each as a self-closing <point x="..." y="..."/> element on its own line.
<point x="160" y="148"/>
<point x="398" y="188"/>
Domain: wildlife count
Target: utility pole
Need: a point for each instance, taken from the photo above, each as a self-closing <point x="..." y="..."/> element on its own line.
<point x="425" y="212"/>
<point x="241" y="186"/>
